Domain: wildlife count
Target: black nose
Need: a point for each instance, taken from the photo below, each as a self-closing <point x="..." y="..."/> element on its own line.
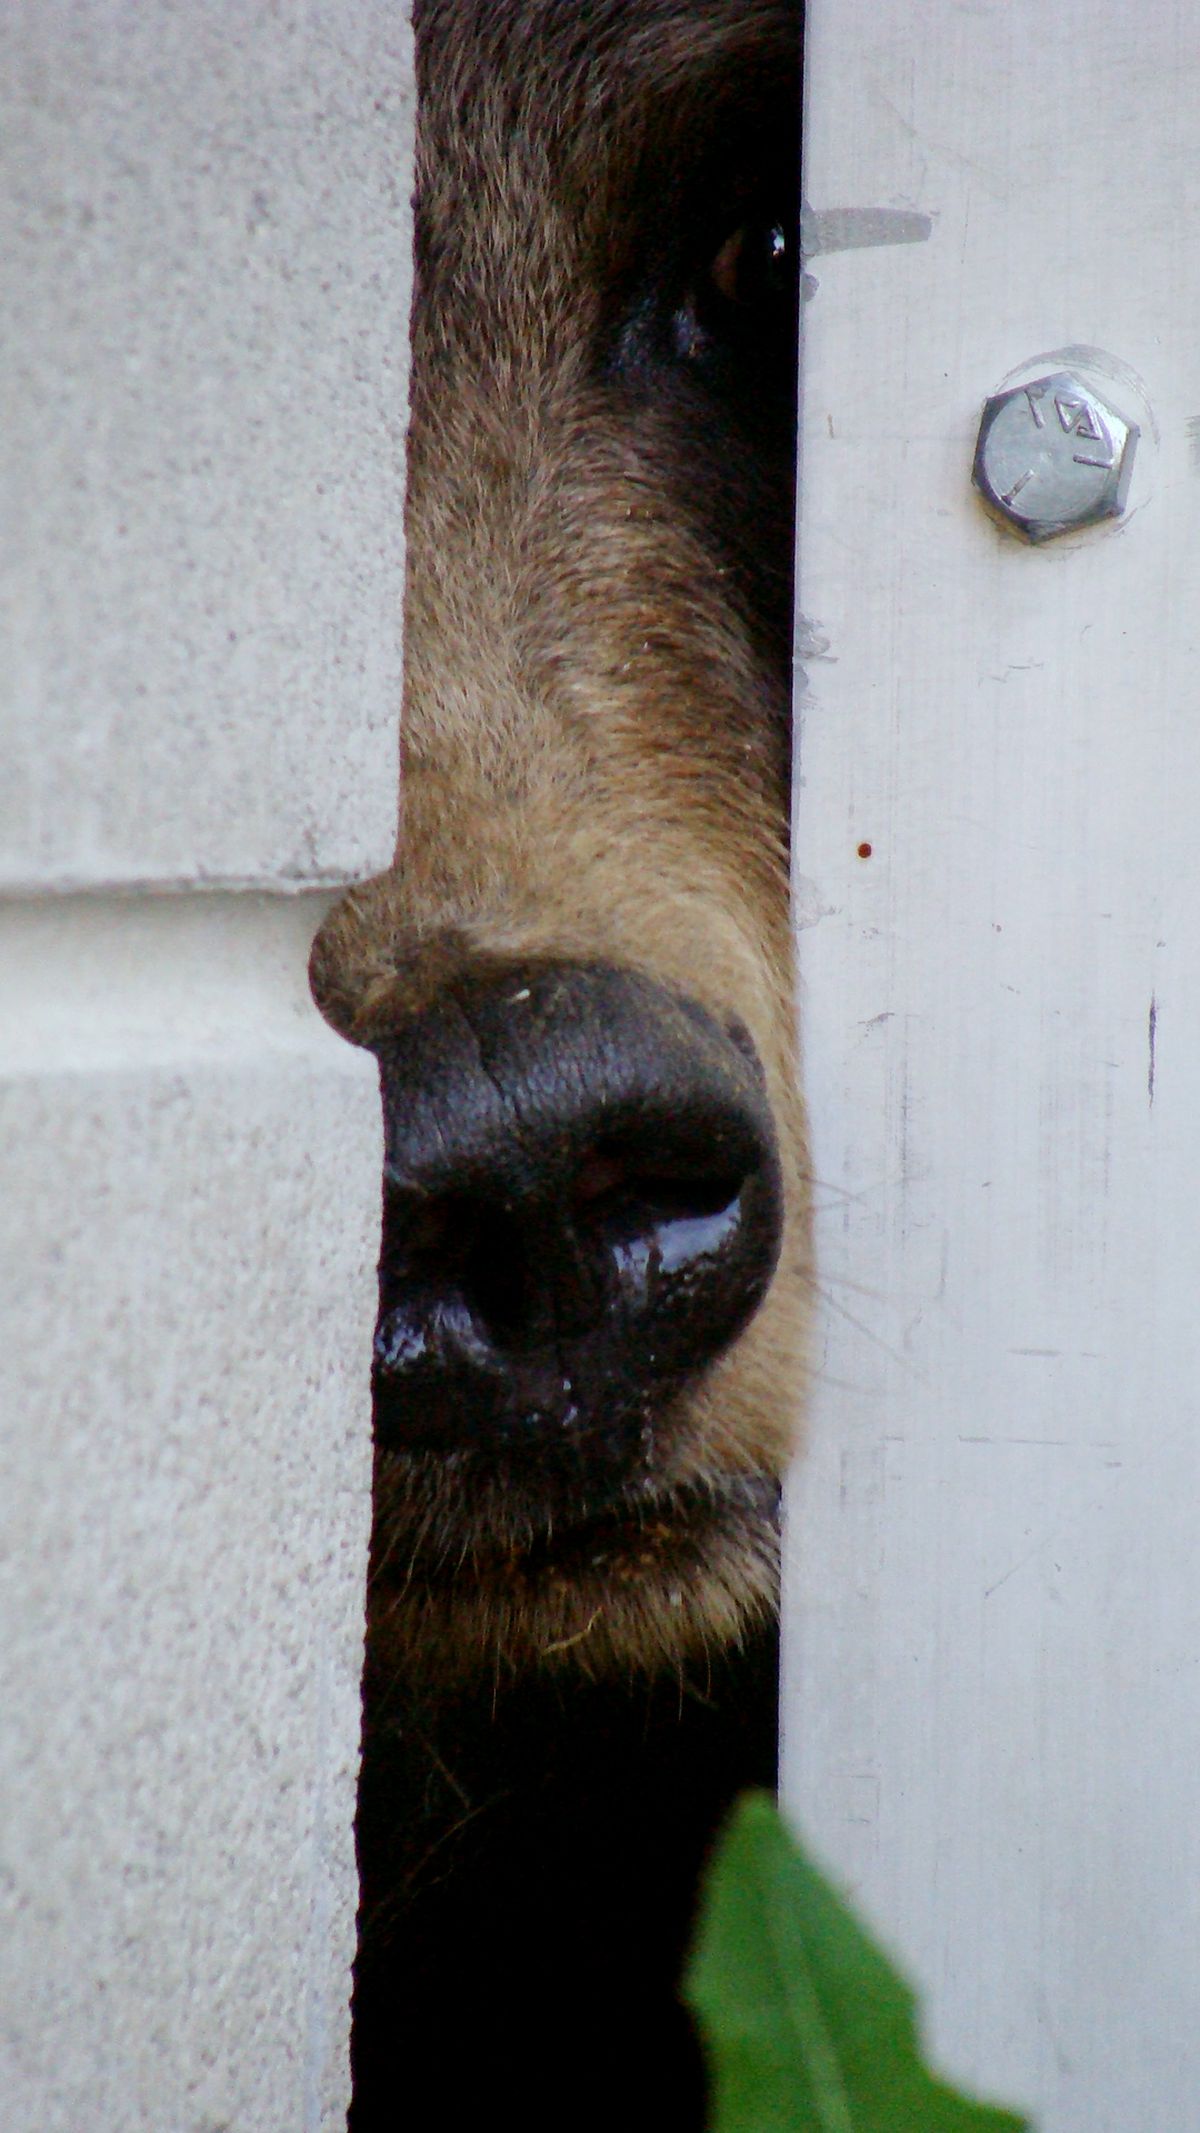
<point x="582" y="1208"/>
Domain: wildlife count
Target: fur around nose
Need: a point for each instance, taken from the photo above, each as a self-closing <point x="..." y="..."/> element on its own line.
<point x="582" y="1208"/>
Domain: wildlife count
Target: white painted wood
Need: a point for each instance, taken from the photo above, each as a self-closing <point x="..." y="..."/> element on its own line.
<point x="992" y="1723"/>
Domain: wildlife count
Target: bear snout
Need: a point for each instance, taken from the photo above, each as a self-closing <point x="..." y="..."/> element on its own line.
<point x="582" y="1210"/>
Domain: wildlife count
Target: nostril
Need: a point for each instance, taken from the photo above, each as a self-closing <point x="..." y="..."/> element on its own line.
<point x="606" y="1179"/>
<point x="656" y="1219"/>
<point x="660" y="1244"/>
<point x="496" y="1283"/>
<point x="460" y="1257"/>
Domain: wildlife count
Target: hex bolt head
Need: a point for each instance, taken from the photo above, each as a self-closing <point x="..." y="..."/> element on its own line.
<point x="1053" y="456"/>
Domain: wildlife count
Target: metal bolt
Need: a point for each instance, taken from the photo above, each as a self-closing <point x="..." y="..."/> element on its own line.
<point x="1052" y="455"/>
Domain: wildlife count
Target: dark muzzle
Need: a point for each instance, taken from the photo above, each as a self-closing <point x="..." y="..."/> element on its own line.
<point x="582" y="1210"/>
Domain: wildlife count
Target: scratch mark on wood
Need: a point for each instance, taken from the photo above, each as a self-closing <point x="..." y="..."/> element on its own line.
<point x="1091" y="1444"/>
<point x="1018" y="1565"/>
<point x="1041" y="1443"/>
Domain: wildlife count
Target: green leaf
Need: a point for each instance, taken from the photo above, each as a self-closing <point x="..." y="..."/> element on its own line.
<point x="807" y="2027"/>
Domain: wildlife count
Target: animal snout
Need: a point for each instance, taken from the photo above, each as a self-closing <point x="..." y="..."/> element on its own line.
<point x="582" y="1209"/>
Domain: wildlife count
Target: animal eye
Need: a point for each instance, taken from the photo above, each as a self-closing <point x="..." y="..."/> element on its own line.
<point x="753" y="268"/>
<point x="737" y="325"/>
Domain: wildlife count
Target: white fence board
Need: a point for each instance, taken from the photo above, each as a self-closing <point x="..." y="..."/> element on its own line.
<point x="992" y="1704"/>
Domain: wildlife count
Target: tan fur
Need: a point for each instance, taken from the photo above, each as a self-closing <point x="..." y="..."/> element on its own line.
<point x="593" y="769"/>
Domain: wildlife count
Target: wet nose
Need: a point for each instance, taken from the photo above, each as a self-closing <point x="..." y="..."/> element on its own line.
<point x="582" y="1209"/>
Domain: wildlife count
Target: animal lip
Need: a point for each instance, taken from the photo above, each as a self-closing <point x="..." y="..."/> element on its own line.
<point x="586" y="1541"/>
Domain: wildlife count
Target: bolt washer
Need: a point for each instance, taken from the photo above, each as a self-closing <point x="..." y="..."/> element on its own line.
<point x="1053" y="456"/>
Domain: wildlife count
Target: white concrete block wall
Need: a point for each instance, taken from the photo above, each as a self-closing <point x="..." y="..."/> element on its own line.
<point x="205" y="262"/>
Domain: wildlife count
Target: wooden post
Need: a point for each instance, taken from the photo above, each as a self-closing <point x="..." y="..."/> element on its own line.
<point x="992" y="1697"/>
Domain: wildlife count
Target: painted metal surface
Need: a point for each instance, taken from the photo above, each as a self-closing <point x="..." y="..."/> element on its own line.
<point x="992" y="1696"/>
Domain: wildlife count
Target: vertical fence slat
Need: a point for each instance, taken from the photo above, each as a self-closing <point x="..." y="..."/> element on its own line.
<point x="993" y="1698"/>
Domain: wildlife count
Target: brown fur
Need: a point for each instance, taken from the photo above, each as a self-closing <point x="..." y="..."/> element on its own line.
<point x="594" y="743"/>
